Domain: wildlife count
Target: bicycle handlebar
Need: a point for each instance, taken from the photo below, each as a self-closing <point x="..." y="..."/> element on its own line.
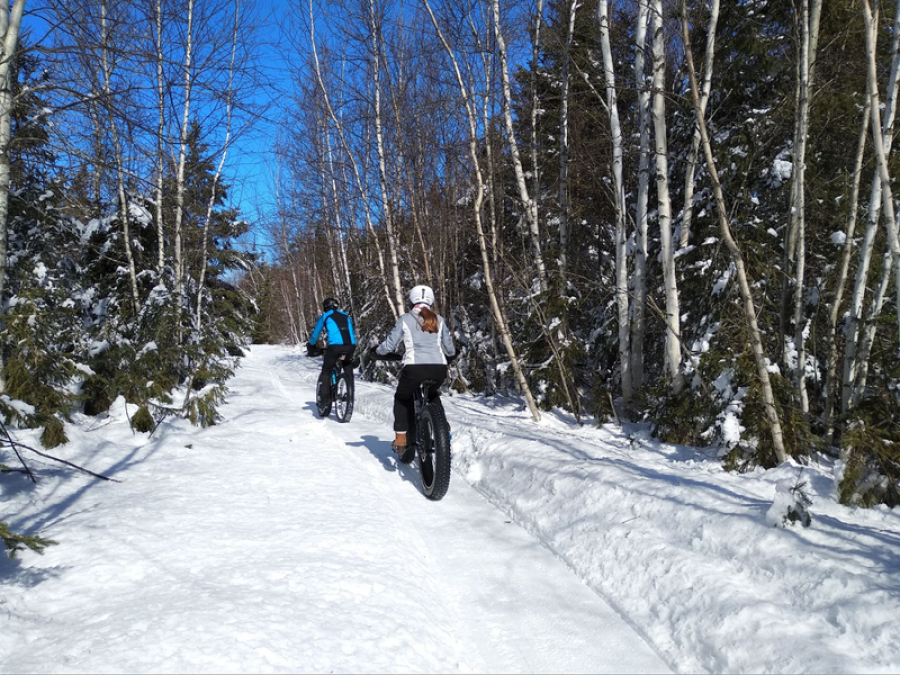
<point x="392" y="356"/>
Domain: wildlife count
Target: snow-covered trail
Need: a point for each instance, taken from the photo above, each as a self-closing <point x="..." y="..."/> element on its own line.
<point x="276" y="541"/>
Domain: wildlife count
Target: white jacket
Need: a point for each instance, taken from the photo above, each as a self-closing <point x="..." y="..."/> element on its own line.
<point x="420" y="347"/>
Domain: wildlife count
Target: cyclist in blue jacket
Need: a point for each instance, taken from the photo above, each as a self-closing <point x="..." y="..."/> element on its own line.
<point x="337" y="328"/>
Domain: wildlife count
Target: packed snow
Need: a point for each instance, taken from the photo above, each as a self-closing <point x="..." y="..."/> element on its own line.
<point x="276" y="541"/>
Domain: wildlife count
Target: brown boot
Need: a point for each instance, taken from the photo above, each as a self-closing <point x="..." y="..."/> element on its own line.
<point x="399" y="442"/>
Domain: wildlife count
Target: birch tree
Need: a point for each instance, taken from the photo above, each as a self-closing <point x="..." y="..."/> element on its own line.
<point x="747" y="303"/>
<point x="107" y="67"/>
<point x="529" y="202"/>
<point x="664" y="202"/>
<point x="188" y="75"/>
<point x="612" y="110"/>
<point x="693" y="154"/>
<point x="796" y="244"/>
<point x="643" y="83"/>
<point x="396" y="309"/>
<point x="161" y="91"/>
<point x="843" y="273"/>
<point x="892" y="261"/>
<point x="496" y="311"/>
<point x="10" y="23"/>
<point x="883" y="136"/>
<point x="375" y="29"/>
<point x="564" y="148"/>
<point x="535" y="102"/>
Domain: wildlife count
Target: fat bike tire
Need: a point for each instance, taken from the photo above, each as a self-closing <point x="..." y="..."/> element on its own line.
<point x="434" y="452"/>
<point x="324" y="409"/>
<point x="343" y="398"/>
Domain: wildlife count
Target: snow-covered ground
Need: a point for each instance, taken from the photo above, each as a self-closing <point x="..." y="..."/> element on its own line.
<point x="279" y="542"/>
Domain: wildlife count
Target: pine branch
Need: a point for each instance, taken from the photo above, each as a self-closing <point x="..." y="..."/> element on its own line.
<point x="17" y="542"/>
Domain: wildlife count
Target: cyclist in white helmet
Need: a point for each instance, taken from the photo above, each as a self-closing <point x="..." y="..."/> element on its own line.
<point x="428" y="348"/>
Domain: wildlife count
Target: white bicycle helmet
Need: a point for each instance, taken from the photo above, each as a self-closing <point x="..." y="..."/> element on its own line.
<point x="421" y="295"/>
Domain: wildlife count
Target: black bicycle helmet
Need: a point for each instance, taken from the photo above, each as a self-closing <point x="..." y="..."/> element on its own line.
<point x="329" y="303"/>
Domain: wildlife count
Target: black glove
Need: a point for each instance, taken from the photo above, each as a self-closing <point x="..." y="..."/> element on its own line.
<point x="451" y="359"/>
<point x="373" y="350"/>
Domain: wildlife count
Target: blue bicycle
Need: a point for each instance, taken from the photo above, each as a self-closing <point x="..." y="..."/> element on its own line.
<point x="340" y="387"/>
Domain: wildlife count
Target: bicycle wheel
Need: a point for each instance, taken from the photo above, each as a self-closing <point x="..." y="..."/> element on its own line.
<point x="343" y="398"/>
<point x="434" y="451"/>
<point x="323" y="408"/>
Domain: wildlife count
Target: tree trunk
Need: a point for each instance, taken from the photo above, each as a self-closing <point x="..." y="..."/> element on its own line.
<point x="382" y="168"/>
<point x="840" y="284"/>
<point x="182" y="160"/>
<point x="852" y="361"/>
<point x="529" y="203"/>
<point x="798" y="193"/>
<point x="756" y="343"/>
<point x="535" y="53"/>
<point x="10" y="23"/>
<point x="564" y="152"/>
<point x="890" y="222"/>
<point x="124" y="215"/>
<point x="160" y="139"/>
<point x="673" y="318"/>
<point x="396" y="310"/>
<point x="640" y="255"/>
<point x="612" y="108"/>
<point x="691" y="167"/>
<point x="499" y="318"/>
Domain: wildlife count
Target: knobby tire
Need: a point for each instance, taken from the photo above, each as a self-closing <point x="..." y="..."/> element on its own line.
<point x="343" y="398"/>
<point x="434" y="451"/>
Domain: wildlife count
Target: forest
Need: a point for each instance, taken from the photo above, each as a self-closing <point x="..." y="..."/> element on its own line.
<point x="671" y="212"/>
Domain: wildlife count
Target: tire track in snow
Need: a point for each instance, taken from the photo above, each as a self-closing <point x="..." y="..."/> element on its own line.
<point x="517" y="606"/>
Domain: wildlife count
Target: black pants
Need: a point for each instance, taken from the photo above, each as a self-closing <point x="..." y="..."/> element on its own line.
<point x="410" y="379"/>
<point x="332" y="352"/>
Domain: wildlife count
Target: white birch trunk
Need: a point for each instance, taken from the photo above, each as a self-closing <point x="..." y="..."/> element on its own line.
<point x="124" y="215"/>
<point x="211" y="203"/>
<point x="612" y="107"/>
<point x="396" y="310"/>
<point x="639" y="312"/>
<point x="884" y="136"/>
<point x="564" y="152"/>
<point x="496" y="310"/>
<point x="382" y="168"/>
<point x="416" y="206"/>
<point x="160" y="138"/>
<point x="673" y="319"/>
<point x="182" y="160"/>
<point x="890" y="222"/>
<point x="529" y="202"/>
<point x="841" y="283"/>
<point x="690" y="169"/>
<point x="756" y="343"/>
<point x="10" y="23"/>
<point x="798" y="207"/>
<point x="336" y="208"/>
<point x="535" y="102"/>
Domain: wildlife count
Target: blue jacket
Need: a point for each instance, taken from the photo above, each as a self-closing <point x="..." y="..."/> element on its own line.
<point x="339" y="327"/>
